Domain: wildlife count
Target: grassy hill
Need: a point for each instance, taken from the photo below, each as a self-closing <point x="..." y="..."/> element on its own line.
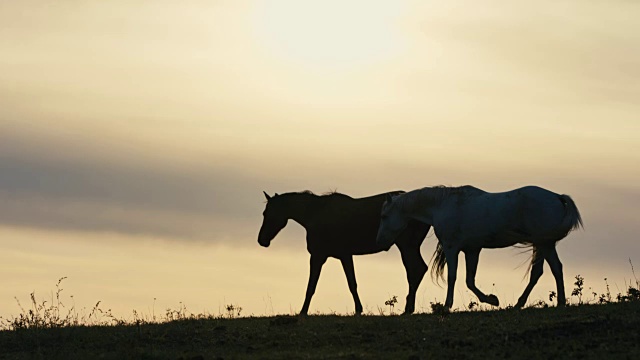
<point x="585" y="331"/>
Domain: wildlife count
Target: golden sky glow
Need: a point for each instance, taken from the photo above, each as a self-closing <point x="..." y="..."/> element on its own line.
<point x="156" y="125"/>
<point x="331" y="35"/>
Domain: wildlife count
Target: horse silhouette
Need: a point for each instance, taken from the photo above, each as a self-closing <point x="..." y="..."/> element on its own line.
<point x="339" y="226"/>
<point x="468" y="219"/>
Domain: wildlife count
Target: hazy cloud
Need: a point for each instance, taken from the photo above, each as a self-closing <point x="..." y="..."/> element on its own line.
<point x="217" y="203"/>
<point x="37" y="189"/>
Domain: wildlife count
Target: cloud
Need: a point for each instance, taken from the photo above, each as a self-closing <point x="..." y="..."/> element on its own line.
<point x="39" y="189"/>
<point x="93" y="194"/>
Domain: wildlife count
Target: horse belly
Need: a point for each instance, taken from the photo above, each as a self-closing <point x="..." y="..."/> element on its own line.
<point x="342" y="242"/>
<point x="505" y="239"/>
<point x="486" y="222"/>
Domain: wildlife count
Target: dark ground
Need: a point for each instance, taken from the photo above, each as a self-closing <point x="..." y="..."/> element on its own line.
<point x="582" y="332"/>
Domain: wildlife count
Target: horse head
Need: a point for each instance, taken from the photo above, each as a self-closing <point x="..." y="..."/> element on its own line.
<point x="392" y="222"/>
<point x="274" y="220"/>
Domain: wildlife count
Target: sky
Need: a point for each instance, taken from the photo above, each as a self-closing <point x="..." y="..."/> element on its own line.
<point x="136" y="139"/>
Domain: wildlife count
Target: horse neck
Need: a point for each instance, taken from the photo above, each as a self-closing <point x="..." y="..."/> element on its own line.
<point x="422" y="205"/>
<point x="302" y="207"/>
<point x="423" y="214"/>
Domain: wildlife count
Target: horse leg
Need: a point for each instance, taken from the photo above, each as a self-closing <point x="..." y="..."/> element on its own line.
<point x="551" y="255"/>
<point x="347" y="265"/>
<point x="452" y="269"/>
<point x="316" y="263"/>
<point x="471" y="259"/>
<point x="416" y="268"/>
<point x="536" y="272"/>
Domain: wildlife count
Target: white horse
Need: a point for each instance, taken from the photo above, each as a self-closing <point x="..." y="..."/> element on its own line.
<point x="468" y="219"/>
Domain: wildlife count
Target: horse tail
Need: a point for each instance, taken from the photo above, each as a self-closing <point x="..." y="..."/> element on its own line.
<point x="572" y="218"/>
<point x="438" y="261"/>
<point x="536" y="256"/>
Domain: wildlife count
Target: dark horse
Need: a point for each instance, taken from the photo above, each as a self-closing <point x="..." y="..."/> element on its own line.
<point x="339" y="226"/>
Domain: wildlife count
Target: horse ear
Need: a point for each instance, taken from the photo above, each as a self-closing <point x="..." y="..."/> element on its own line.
<point x="389" y="198"/>
<point x="276" y="194"/>
<point x="267" y="195"/>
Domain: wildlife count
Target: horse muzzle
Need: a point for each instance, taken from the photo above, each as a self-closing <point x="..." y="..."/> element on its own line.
<point x="264" y="243"/>
<point x="385" y="242"/>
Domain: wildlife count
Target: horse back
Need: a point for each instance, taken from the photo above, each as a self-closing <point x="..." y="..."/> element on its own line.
<point x="347" y="226"/>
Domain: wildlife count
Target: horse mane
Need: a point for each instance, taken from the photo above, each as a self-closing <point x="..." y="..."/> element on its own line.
<point x="303" y="192"/>
<point x="432" y="196"/>
<point x="323" y="195"/>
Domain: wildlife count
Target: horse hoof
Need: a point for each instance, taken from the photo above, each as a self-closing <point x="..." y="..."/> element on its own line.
<point x="518" y="305"/>
<point x="408" y="310"/>
<point x="492" y="300"/>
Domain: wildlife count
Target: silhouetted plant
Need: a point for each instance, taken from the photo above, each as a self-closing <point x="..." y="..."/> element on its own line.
<point x="540" y="304"/>
<point x="472" y="305"/>
<point x="52" y="315"/>
<point x="577" y="291"/>
<point x="552" y="295"/>
<point x="606" y="297"/>
<point x="391" y="303"/>
<point x="438" y="308"/>
<point x="177" y="314"/>
<point x="233" y="311"/>
<point x="633" y="292"/>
